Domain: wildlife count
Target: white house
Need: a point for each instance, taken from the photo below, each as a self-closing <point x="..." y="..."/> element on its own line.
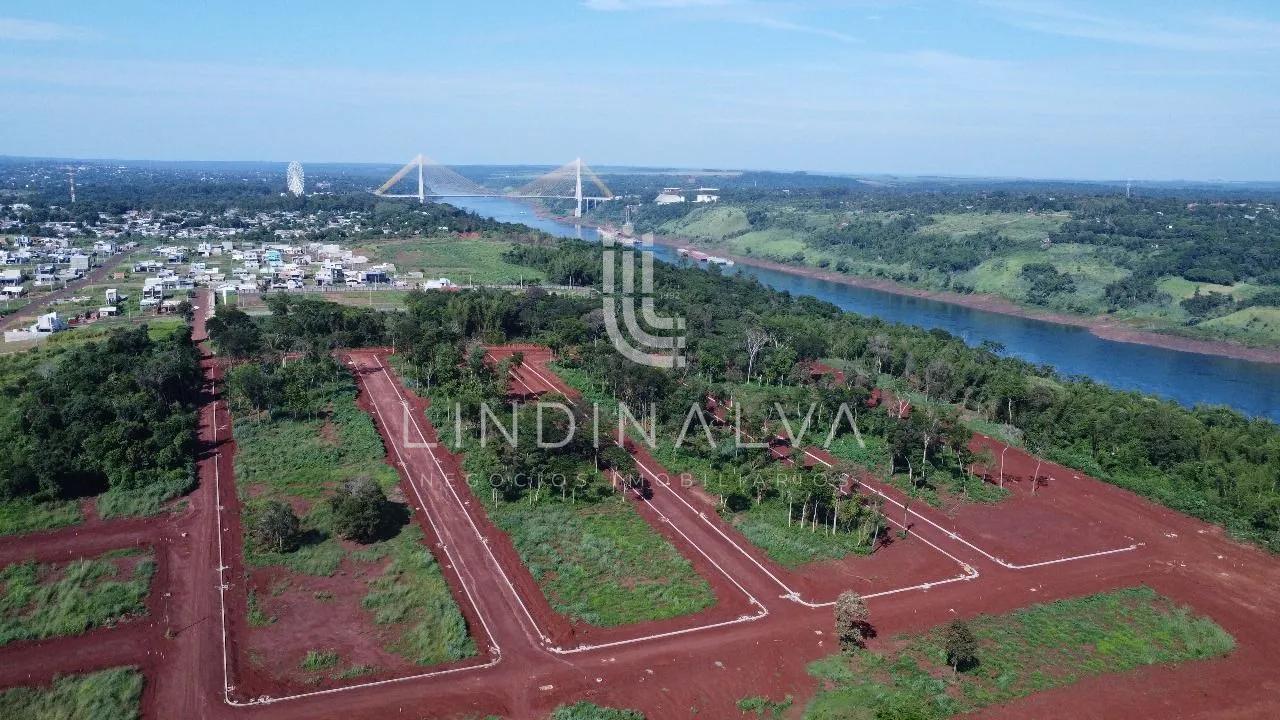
<point x="49" y="323"/>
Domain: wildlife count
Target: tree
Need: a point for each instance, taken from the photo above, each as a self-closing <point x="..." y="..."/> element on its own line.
<point x="276" y="527"/>
<point x="852" y="626"/>
<point x="757" y="339"/>
<point x="251" y="386"/>
<point x="234" y="333"/>
<point x="359" y="509"/>
<point x="960" y="645"/>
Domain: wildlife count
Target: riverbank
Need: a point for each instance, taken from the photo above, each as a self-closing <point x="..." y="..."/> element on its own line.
<point x="1102" y="326"/>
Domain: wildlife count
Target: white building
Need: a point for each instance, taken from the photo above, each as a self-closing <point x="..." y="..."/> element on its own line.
<point x="669" y="196"/>
<point x="439" y="284"/>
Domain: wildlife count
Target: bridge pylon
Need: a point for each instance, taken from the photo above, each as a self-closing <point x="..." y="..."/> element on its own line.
<point x="577" y="187"/>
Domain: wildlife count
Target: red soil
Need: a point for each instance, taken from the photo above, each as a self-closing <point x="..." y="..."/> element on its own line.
<point x="703" y="672"/>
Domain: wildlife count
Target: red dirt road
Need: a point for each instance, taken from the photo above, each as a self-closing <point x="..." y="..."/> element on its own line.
<point x="702" y="673"/>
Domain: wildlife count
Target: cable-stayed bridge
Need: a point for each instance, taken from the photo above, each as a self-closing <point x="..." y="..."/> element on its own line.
<point x="437" y="181"/>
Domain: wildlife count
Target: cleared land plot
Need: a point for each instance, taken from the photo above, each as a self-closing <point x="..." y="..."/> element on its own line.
<point x="1258" y="324"/>
<point x="712" y="223"/>
<point x="596" y="560"/>
<point x="1088" y="266"/>
<point x="1015" y="226"/>
<point x="772" y="517"/>
<point x="1180" y="288"/>
<point x="55" y="599"/>
<point x="817" y="564"/>
<point x="114" y="694"/>
<point x="364" y="608"/>
<point x="460" y="260"/>
<point x="763" y="500"/>
<point x="1026" y="651"/>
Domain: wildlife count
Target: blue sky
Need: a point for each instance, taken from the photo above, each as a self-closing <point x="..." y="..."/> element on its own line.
<point x="1039" y="88"/>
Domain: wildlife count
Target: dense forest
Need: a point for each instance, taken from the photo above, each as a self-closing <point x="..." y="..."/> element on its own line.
<point x="115" y="418"/>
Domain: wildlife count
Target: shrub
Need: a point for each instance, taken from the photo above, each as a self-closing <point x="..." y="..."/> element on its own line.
<point x="359" y="508"/>
<point x="851" y="620"/>
<point x="276" y="527"/>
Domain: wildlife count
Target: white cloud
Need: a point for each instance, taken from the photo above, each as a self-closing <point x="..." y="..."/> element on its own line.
<point x="1160" y="30"/>
<point x="36" y="30"/>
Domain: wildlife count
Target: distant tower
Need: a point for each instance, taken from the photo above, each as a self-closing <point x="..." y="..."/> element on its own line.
<point x="1128" y="189"/>
<point x="72" y="174"/>
<point x="295" y="179"/>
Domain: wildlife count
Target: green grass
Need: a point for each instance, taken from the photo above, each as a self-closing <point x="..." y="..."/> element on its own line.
<point x="1090" y="269"/>
<point x="21" y="515"/>
<point x="285" y="458"/>
<point x="596" y="560"/>
<point x="774" y="243"/>
<point x="412" y="592"/>
<point x="947" y="487"/>
<point x="42" y="601"/>
<point x="771" y="524"/>
<point x="1007" y="434"/>
<point x="354" y="671"/>
<point x="258" y="618"/>
<point x="114" y="694"/>
<point x="591" y="711"/>
<point x="317" y="660"/>
<point x="1019" y="227"/>
<point x="872" y="454"/>
<point x="763" y="707"/>
<point x="145" y="501"/>
<point x="714" y="222"/>
<point x="477" y="260"/>
<point x="1259" y="325"/>
<point x="290" y="459"/>
<point x="1023" y="652"/>
<point x="1180" y="288"/>
<point x="302" y="461"/>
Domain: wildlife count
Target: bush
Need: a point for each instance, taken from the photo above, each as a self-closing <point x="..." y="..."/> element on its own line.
<point x="960" y="645"/>
<point x="591" y="711"/>
<point x="359" y="510"/>
<point x="1210" y="275"/>
<point x="277" y="528"/>
<point x="851" y="620"/>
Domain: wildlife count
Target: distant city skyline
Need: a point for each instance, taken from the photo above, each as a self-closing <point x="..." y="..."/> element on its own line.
<point x="992" y="88"/>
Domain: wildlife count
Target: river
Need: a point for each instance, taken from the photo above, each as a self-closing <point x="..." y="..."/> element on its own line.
<point x="1190" y="378"/>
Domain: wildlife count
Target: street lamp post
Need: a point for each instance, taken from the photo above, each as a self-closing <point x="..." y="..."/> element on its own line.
<point x="1002" y="452"/>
